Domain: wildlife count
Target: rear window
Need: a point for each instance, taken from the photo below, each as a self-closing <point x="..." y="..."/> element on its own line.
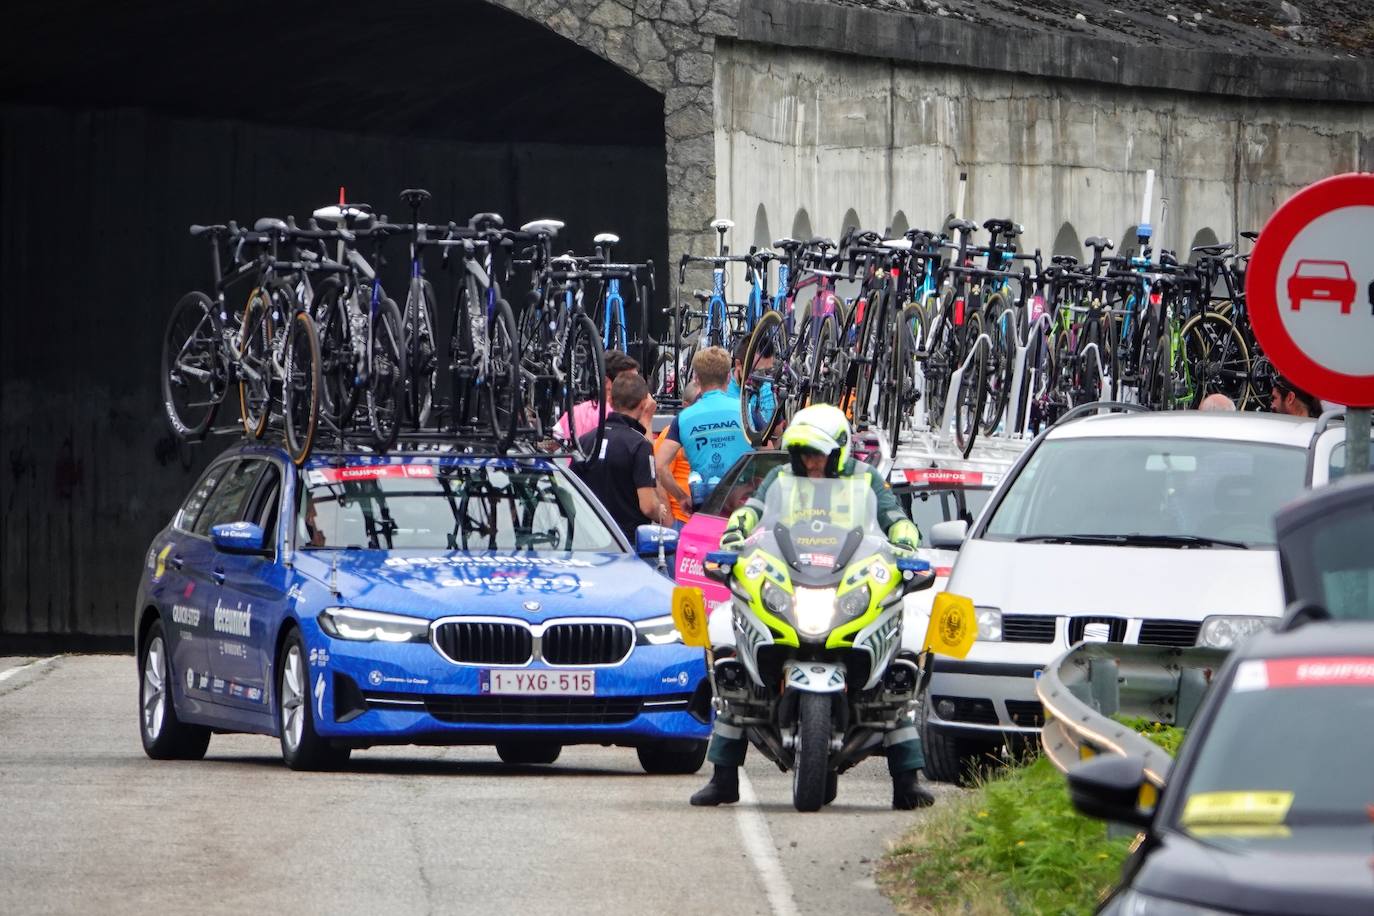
<point x="1144" y="486"/>
<point x="929" y="507"/>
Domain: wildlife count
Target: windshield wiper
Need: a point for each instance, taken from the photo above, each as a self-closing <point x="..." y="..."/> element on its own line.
<point x="1134" y="540"/>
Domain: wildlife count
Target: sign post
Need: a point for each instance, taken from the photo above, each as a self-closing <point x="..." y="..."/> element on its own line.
<point x="1310" y="294"/>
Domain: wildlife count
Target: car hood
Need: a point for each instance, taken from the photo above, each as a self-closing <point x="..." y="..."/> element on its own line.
<point x="1265" y="881"/>
<point x="1071" y="579"/>
<point x="531" y="585"/>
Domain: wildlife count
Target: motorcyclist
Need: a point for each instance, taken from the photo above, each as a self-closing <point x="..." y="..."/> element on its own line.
<point x="817" y="441"/>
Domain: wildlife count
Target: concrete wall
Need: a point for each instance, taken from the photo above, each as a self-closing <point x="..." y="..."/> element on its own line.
<point x="799" y="129"/>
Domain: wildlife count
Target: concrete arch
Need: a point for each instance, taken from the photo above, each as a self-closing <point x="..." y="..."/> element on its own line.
<point x="1204" y="236"/>
<point x="851" y="221"/>
<point x="761" y="236"/>
<point x="899" y="225"/>
<point x="1127" y="244"/>
<point x="1067" y="242"/>
<point x="801" y="225"/>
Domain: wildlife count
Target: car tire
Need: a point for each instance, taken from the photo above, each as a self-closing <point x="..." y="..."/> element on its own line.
<point x="302" y="748"/>
<point x="525" y="753"/>
<point x="165" y="736"/>
<point x="672" y="758"/>
<point x="950" y="757"/>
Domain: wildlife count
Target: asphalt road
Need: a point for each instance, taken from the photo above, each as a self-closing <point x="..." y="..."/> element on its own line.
<point x="88" y="823"/>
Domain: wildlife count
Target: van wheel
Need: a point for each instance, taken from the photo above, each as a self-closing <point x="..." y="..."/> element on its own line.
<point x="951" y="757"/>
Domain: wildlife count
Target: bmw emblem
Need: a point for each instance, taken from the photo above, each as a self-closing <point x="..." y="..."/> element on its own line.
<point x="682" y="678"/>
<point x="190" y="679"/>
<point x="375" y="678"/>
<point x="532" y="605"/>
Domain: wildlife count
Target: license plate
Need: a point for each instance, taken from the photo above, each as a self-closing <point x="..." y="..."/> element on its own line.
<point x="539" y="683"/>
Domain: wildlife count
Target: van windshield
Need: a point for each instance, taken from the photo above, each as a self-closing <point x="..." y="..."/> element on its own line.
<point x="1138" y="491"/>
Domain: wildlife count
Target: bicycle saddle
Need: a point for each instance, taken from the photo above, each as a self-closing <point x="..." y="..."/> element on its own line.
<point x="197" y="230"/>
<point x="606" y="238"/>
<point x="819" y="242"/>
<point x="720" y="225"/>
<point x="348" y="214"/>
<point x="786" y="244"/>
<point x="1252" y="236"/>
<point x="269" y="224"/>
<point x="703" y="294"/>
<point x="543" y="226"/>
<point x="1003" y="227"/>
<point x="963" y="225"/>
<point x="413" y="197"/>
<point x="1214" y="250"/>
<point x="1064" y="260"/>
<point x="486" y="221"/>
<point x="1098" y="244"/>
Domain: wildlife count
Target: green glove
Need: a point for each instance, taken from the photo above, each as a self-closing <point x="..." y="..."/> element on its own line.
<point x="904" y="536"/>
<point x="741" y="522"/>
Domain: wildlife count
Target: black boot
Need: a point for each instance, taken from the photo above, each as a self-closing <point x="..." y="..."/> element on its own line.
<point x="723" y="788"/>
<point x="908" y="793"/>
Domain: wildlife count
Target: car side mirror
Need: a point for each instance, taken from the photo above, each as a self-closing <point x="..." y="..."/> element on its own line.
<point x="649" y="538"/>
<point x="1113" y="788"/>
<point x="720" y="565"/>
<point x="948" y="535"/>
<point x="239" y="537"/>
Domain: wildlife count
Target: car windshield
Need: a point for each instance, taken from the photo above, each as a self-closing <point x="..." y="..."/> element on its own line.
<point x="447" y="507"/>
<point x="1329" y="562"/>
<point x="1310" y="786"/>
<point x="1139" y="491"/>
<point x="930" y="507"/>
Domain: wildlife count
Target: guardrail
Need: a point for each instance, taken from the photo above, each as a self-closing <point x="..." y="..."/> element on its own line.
<point x="1083" y="688"/>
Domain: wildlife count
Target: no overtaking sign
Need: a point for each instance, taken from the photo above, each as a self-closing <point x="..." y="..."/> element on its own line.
<point x="1310" y="289"/>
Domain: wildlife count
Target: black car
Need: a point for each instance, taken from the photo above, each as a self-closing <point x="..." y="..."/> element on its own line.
<point x="1324" y="550"/>
<point x="1269" y="808"/>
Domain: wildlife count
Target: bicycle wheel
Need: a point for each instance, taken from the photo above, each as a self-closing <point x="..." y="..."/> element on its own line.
<point x="194" y="375"/>
<point x="338" y="395"/>
<point x="1157" y="391"/>
<point x="829" y="364"/>
<point x="902" y="391"/>
<point x="973" y="388"/>
<point x="301" y="385"/>
<point x="502" y="377"/>
<point x="763" y="387"/>
<point x="584" y="371"/>
<point x="423" y="375"/>
<point x="1001" y="362"/>
<point x="255" y="364"/>
<point x="1215" y="360"/>
<point x="386" y="376"/>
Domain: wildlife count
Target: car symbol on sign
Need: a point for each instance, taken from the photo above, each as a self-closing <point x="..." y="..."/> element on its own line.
<point x="1329" y="281"/>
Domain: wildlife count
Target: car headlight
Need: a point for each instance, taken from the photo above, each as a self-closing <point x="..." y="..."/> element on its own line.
<point x="1224" y="631"/>
<point x="372" y="626"/>
<point x="657" y="631"/>
<point x="815" y="610"/>
<point x="1134" y="903"/>
<point x="989" y="624"/>
<point x="855" y="602"/>
<point x="776" y="600"/>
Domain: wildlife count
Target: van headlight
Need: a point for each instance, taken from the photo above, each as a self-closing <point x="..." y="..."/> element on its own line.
<point x="372" y="626"/>
<point x="657" y="631"/>
<point x="1225" y="630"/>
<point x="989" y="623"/>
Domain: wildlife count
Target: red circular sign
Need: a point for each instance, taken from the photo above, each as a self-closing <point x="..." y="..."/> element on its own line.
<point x="1309" y="289"/>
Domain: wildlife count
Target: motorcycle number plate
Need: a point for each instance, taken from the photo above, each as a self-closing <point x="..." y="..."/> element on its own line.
<point x="497" y="682"/>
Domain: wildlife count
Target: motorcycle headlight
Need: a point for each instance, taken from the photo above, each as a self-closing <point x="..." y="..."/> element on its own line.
<point x="372" y="626"/>
<point x="657" y="631"/>
<point x="1224" y="631"/>
<point x="815" y="610"/>
<point x="989" y="624"/>
<point x="777" y="601"/>
<point x="855" y="602"/>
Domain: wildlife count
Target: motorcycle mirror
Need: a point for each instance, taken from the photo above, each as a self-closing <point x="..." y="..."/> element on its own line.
<point x="719" y="565"/>
<point x="953" y="626"/>
<point x="689" y="615"/>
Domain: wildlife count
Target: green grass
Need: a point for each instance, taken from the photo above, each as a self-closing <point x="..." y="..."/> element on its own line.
<point x="1013" y="845"/>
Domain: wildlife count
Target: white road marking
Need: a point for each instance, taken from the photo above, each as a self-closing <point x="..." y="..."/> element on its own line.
<point x="758" y="842"/>
<point x="11" y="672"/>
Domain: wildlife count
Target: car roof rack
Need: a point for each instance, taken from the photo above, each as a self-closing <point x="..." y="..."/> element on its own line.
<point x="1083" y="410"/>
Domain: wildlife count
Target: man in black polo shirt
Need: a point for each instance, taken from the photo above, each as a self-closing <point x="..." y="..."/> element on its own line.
<point x="622" y="475"/>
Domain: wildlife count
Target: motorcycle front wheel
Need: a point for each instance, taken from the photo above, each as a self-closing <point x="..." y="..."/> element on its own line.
<point x="812" y="763"/>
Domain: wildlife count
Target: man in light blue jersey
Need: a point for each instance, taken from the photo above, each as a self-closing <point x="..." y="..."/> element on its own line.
<point x="762" y="403"/>
<point x="708" y="432"/>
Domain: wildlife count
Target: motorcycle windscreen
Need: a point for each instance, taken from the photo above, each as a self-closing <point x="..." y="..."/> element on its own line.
<point x="819" y="525"/>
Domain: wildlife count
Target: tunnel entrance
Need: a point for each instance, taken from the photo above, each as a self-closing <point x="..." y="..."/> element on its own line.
<point x="122" y="124"/>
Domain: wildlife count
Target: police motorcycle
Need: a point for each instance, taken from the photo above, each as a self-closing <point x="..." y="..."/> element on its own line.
<point x="817" y="680"/>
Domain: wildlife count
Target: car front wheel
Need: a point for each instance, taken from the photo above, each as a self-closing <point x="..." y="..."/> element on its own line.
<point x="165" y="737"/>
<point x="301" y="747"/>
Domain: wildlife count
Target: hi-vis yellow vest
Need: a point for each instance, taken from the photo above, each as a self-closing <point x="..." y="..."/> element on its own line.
<point x="846" y="501"/>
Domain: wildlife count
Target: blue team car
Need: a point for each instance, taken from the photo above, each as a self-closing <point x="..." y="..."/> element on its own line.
<point x="412" y="598"/>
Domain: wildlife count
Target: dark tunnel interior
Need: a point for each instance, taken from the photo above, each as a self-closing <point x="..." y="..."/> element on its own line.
<point x="122" y="124"/>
